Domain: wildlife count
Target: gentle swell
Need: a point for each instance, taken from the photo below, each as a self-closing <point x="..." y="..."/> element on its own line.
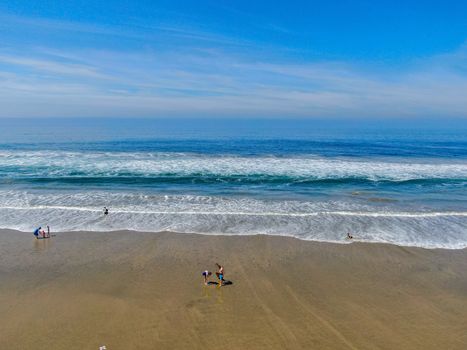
<point x="206" y="179"/>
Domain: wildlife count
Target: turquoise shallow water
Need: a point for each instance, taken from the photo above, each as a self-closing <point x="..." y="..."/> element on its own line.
<point x="313" y="180"/>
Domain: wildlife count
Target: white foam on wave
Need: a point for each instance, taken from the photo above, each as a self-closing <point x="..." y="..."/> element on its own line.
<point x="89" y="164"/>
<point x="320" y="220"/>
<point x="243" y="213"/>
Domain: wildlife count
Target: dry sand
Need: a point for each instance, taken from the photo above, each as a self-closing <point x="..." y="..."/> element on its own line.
<point x="130" y="290"/>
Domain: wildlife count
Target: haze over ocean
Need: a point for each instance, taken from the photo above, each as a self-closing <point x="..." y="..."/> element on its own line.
<point x="384" y="184"/>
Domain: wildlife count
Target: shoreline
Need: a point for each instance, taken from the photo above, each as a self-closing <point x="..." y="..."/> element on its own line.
<point x="143" y="290"/>
<point x="345" y="242"/>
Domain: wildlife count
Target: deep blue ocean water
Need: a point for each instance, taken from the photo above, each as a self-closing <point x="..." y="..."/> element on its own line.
<point x="390" y="181"/>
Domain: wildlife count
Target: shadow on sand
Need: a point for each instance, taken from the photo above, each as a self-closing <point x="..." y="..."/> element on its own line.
<point x="226" y="283"/>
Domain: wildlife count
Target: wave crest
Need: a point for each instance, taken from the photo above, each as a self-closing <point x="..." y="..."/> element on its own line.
<point x="72" y="167"/>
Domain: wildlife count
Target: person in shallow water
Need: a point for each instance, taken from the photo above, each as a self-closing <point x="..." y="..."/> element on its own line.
<point x="106" y="211"/>
<point x="349" y="236"/>
<point x="206" y="275"/>
<point x="220" y="274"/>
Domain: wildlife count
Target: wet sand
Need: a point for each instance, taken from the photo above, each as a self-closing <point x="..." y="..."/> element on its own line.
<point x="131" y="290"/>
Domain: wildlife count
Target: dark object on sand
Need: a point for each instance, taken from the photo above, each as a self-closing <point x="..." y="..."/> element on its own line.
<point x="225" y="283"/>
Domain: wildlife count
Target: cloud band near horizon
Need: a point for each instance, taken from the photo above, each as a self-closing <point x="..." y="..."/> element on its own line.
<point x="184" y="72"/>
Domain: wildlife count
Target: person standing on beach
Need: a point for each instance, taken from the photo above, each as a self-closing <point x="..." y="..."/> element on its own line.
<point x="220" y="274"/>
<point x="206" y="275"/>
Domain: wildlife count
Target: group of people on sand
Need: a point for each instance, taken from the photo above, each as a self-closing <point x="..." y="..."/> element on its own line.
<point x="220" y="275"/>
<point x="40" y="233"/>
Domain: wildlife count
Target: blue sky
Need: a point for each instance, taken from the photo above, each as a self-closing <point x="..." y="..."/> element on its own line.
<point x="281" y="59"/>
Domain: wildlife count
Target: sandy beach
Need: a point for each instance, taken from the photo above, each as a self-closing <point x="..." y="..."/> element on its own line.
<point x="132" y="290"/>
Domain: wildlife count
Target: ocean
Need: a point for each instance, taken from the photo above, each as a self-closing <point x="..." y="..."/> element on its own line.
<point x="397" y="182"/>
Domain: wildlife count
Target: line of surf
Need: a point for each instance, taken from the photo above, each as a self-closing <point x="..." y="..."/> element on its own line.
<point x="238" y="213"/>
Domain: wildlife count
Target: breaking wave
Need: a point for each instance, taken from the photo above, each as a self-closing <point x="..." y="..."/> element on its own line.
<point x="317" y="220"/>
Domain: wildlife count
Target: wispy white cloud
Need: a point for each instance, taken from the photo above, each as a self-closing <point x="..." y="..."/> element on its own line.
<point x="52" y="66"/>
<point x="214" y="80"/>
<point x="132" y="30"/>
